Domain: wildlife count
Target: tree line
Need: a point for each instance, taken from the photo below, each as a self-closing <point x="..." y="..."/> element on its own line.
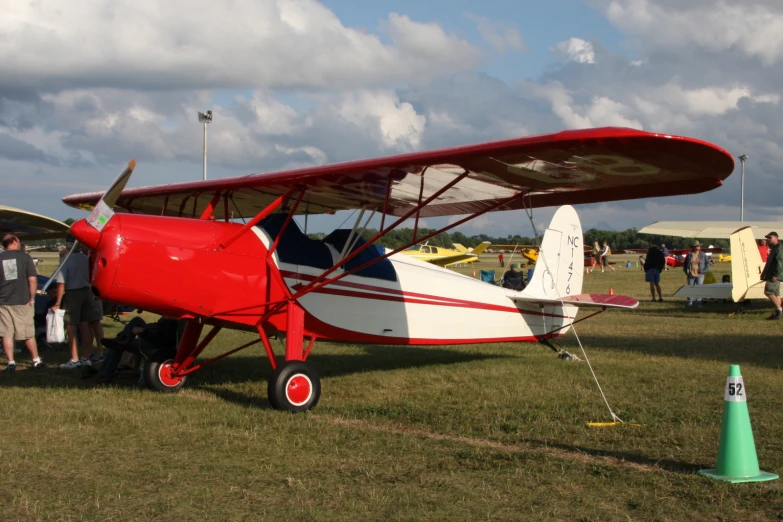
<point x="618" y="240"/>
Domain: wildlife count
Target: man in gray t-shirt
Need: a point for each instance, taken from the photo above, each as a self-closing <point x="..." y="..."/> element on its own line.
<point x="81" y="313"/>
<point x="18" y="282"/>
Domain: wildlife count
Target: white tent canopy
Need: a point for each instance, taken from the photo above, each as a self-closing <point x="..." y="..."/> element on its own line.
<point x="710" y="229"/>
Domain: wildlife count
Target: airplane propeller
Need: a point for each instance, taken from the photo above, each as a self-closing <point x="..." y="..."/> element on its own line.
<point x="100" y="216"/>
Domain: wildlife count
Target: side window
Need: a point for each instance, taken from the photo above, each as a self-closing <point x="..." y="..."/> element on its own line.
<point x="425" y="250"/>
<point x="434" y="250"/>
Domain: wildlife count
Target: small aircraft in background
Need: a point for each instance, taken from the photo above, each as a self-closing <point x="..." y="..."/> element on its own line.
<point x="445" y="256"/>
<point x="710" y="229"/>
<point x="746" y="267"/>
<point x="677" y="257"/>
<point x="29" y="226"/>
<point x="266" y="276"/>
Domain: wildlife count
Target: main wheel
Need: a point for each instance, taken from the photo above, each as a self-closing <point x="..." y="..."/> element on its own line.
<point x="158" y="376"/>
<point x="294" y="386"/>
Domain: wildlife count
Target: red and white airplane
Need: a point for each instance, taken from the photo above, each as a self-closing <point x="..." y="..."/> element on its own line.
<point x="267" y="276"/>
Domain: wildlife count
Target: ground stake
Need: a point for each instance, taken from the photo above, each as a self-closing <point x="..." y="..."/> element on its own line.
<point x="737" y="460"/>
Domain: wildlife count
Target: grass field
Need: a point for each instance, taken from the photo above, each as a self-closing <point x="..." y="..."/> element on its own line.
<point x="484" y="432"/>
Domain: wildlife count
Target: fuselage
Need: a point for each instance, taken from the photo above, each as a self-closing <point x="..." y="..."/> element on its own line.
<point x="176" y="267"/>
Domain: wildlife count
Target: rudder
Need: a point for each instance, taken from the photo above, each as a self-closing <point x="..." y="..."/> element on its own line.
<point x="559" y="271"/>
<point x="746" y="263"/>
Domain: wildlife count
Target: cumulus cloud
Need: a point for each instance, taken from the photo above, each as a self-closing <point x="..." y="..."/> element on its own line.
<point x="753" y="29"/>
<point x="321" y="92"/>
<point x="576" y="50"/>
<point x="184" y="44"/>
<point x="598" y="111"/>
<point x="500" y="36"/>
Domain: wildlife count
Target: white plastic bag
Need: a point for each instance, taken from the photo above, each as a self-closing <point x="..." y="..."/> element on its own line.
<point x="55" y="326"/>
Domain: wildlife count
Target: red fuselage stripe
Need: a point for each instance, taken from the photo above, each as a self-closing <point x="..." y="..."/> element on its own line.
<point x="411" y="297"/>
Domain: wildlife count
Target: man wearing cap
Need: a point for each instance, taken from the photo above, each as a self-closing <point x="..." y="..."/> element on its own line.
<point x="18" y="282"/>
<point x="695" y="266"/>
<point x="773" y="271"/>
<point x="75" y="297"/>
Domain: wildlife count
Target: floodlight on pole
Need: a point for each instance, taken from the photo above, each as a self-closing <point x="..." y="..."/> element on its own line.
<point x="205" y="118"/>
<point x="742" y="159"/>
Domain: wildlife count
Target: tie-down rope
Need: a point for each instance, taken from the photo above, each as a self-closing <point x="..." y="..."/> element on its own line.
<point x="615" y="418"/>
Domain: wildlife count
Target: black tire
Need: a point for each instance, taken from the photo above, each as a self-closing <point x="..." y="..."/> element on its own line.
<point x="270" y="388"/>
<point x="294" y="387"/>
<point x="156" y="378"/>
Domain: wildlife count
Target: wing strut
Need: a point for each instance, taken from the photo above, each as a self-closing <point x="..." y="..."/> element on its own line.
<point x="261" y="215"/>
<point x="322" y="280"/>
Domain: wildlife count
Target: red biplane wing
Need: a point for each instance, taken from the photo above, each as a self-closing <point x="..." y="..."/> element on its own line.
<point x="570" y="167"/>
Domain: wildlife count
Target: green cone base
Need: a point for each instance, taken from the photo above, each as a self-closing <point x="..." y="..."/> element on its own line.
<point x="763" y="476"/>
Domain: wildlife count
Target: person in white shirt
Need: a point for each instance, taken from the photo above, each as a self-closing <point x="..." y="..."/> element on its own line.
<point x="605" y="253"/>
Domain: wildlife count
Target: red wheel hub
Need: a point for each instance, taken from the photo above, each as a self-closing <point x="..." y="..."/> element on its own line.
<point x="299" y="389"/>
<point x="166" y="375"/>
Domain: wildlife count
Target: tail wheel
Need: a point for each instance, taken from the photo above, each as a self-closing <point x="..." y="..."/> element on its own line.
<point x="295" y="387"/>
<point x="158" y="376"/>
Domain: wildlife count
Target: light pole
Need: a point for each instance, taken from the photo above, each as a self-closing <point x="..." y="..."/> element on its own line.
<point x="742" y="159"/>
<point x="205" y="118"/>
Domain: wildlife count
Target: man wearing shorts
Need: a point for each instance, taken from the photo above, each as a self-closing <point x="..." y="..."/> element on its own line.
<point x="75" y="297"/>
<point x="18" y="282"/>
<point x="652" y="270"/>
<point x="773" y="271"/>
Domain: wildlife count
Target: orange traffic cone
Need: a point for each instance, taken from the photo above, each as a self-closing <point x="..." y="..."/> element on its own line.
<point x="611" y="291"/>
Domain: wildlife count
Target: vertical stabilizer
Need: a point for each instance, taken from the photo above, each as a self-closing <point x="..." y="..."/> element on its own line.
<point x="559" y="270"/>
<point x="746" y="263"/>
<point x="480" y="248"/>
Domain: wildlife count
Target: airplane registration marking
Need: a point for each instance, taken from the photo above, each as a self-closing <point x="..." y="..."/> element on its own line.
<point x="574" y="241"/>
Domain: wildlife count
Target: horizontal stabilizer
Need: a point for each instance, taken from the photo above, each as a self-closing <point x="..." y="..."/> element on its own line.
<point x="589" y="300"/>
<point x="721" y="291"/>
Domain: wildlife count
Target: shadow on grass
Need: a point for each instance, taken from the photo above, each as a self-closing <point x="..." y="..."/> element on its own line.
<point x="257" y="369"/>
<point x="762" y="349"/>
<point x="674" y="466"/>
<point x="374" y="358"/>
<point x="674" y="307"/>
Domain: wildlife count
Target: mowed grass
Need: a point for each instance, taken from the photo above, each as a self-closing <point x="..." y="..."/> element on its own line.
<point x="477" y="432"/>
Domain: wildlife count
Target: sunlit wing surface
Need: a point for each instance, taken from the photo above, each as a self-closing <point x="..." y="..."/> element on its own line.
<point x="579" y="166"/>
<point x="30" y="226"/>
<point x="709" y="229"/>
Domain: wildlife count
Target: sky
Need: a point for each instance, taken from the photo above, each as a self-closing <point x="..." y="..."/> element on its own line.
<point x="293" y="83"/>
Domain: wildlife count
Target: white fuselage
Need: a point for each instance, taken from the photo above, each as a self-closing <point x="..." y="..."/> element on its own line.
<point x="427" y="304"/>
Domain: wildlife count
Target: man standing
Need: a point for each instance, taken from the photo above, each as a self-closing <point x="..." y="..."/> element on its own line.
<point x="696" y="264"/>
<point x="773" y="271"/>
<point x="75" y="296"/>
<point x="652" y="270"/>
<point x="501" y="260"/>
<point x="18" y="282"/>
<point x="605" y="253"/>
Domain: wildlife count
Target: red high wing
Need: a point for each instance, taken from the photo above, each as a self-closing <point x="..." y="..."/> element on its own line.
<point x="570" y="167"/>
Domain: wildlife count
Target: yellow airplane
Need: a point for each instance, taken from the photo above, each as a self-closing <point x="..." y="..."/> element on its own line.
<point x="529" y="252"/>
<point x="445" y="256"/>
